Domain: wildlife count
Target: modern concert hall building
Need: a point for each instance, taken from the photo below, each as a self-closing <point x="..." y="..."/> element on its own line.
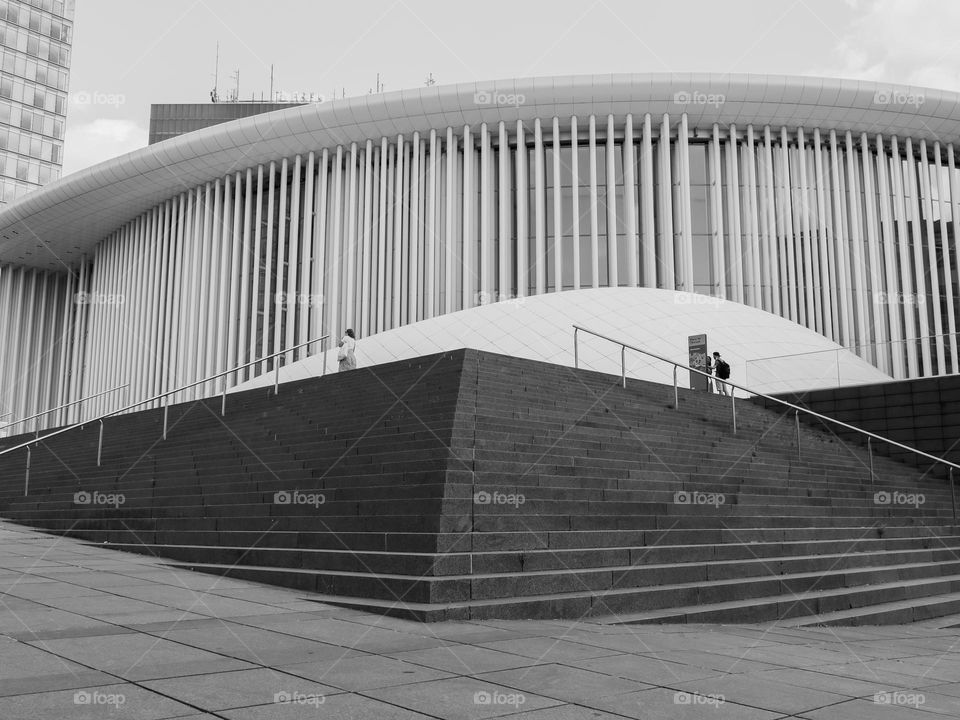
<point x="829" y="203"/>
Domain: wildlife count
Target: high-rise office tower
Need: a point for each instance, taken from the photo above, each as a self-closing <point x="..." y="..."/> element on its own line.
<point x="35" y="39"/>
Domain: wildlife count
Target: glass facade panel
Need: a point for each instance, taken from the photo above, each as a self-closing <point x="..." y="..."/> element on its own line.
<point x="35" y="41"/>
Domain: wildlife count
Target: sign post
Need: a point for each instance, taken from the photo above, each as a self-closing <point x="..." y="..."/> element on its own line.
<point x="697" y="345"/>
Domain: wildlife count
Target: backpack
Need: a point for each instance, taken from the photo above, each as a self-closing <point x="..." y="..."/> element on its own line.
<point x="723" y="369"/>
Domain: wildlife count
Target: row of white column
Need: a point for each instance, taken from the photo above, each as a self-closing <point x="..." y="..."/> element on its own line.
<point x="806" y="224"/>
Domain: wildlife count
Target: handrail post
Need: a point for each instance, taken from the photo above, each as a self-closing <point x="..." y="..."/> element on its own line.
<point x="733" y="407"/>
<point x="796" y="419"/>
<point x="276" y="375"/>
<point x="100" y="444"/>
<point x="576" y="349"/>
<point x="676" y="393"/>
<point x="26" y="478"/>
<point x="623" y="365"/>
<point x="223" y="401"/>
<point x="870" y="453"/>
<point x="953" y="496"/>
<point x="166" y="414"/>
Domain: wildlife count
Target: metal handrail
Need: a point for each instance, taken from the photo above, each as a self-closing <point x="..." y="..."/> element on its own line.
<point x="160" y="396"/>
<point x="65" y="405"/>
<point x="796" y="408"/>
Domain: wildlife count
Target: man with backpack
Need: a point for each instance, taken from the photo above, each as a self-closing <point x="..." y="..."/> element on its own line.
<point x="722" y="372"/>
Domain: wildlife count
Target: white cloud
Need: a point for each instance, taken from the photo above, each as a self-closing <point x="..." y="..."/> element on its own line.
<point x="901" y="41"/>
<point x="88" y="143"/>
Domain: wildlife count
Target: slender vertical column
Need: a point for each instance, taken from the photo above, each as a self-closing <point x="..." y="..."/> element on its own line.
<point x="735" y="254"/>
<point x="79" y="335"/>
<point x="144" y="242"/>
<point x="380" y="255"/>
<point x="903" y="238"/>
<point x="389" y="193"/>
<point x="630" y="207"/>
<point x="913" y="197"/>
<point x="295" y="294"/>
<point x="469" y="264"/>
<point x="786" y="235"/>
<point x="430" y="253"/>
<point x="486" y="285"/>
<point x="950" y="341"/>
<point x="163" y="309"/>
<point x="857" y="269"/>
<point x="320" y="254"/>
<point x="613" y="254"/>
<point x="666" y="208"/>
<point x="350" y="305"/>
<point x="284" y="308"/>
<point x="450" y="214"/>
<point x="683" y="170"/>
<point x="237" y="277"/>
<point x="270" y="290"/>
<point x="827" y="291"/>
<point x="847" y="335"/>
<point x="335" y="251"/>
<point x="874" y="271"/>
<point x="156" y="308"/>
<point x="950" y="257"/>
<point x="312" y="305"/>
<point x="888" y="239"/>
<point x="575" y="198"/>
<point x="594" y="221"/>
<point x="755" y="286"/>
<point x="23" y="385"/>
<point x="523" y="254"/>
<point x="66" y="327"/>
<point x="175" y="342"/>
<point x="415" y="285"/>
<point x="6" y="319"/>
<point x="647" y="205"/>
<point x="214" y="268"/>
<point x="719" y="255"/>
<point x="807" y="292"/>
<point x="768" y="228"/>
<point x="933" y="302"/>
<point x="540" y="230"/>
<point x="222" y="309"/>
<point x="557" y="210"/>
<point x="189" y="285"/>
<point x="367" y="314"/>
<point x="405" y="231"/>
<point x="396" y="273"/>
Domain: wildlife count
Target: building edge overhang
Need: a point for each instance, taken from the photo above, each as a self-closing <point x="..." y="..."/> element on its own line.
<point x="53" y="227"/>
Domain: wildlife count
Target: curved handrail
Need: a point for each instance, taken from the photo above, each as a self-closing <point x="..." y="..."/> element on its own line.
<point x="797" y="408"/>
<point x="161" y="396"/>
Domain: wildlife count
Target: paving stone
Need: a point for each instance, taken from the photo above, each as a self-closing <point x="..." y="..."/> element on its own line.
<point x="241" y="688"/>
<point x="139" y="657"/>
<point x="462" y="698"/>
<point x="364" y="673"/>
<point x="93" y="703"/>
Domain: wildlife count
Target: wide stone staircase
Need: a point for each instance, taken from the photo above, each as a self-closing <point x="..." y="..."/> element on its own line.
<point x="473" y="485"/>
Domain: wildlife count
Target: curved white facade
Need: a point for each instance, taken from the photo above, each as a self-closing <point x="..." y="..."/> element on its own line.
<point x="540" y="327"/>
<point x="828" y="203"/>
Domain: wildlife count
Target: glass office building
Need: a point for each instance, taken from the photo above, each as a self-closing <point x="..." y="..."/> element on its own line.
<point x="35" y="39"/>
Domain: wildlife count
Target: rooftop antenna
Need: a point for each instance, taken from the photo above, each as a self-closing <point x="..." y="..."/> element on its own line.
<point x="216" y="77"/>
<point x="235" y="97"/>
<point x="271" y="82"/>
<point x="430" y="80"/>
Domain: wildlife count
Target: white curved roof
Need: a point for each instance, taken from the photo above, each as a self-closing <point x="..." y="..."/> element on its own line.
<point x="52" y="227"/>
<point x="541" y="328"/>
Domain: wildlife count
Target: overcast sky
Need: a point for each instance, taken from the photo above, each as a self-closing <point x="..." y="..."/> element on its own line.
<point x="128" y="54"/>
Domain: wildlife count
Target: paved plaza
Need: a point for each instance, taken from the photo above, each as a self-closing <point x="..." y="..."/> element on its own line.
<point x="87" y="632"/>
